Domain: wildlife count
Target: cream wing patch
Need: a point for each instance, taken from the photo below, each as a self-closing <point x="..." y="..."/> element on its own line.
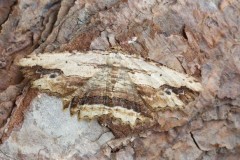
<point x="124" y="115"/>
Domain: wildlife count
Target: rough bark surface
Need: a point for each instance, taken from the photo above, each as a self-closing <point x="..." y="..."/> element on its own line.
<point x="197" y="37"/>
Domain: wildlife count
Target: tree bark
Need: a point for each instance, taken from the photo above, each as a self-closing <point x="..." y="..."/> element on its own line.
<point x="198" y="38"/>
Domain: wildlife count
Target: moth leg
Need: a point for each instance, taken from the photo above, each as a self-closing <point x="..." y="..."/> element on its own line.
<point x="66" y="102"/>
<point x="74" y="106"/>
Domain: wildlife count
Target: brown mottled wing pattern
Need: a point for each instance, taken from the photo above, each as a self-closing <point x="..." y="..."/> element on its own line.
<point x="121" y="91"/>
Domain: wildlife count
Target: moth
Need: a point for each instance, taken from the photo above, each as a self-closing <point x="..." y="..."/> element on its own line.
<point x="121" y="91"/>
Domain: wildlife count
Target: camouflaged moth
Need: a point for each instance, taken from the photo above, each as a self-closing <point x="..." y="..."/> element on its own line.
<point x="122" y="91"/>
